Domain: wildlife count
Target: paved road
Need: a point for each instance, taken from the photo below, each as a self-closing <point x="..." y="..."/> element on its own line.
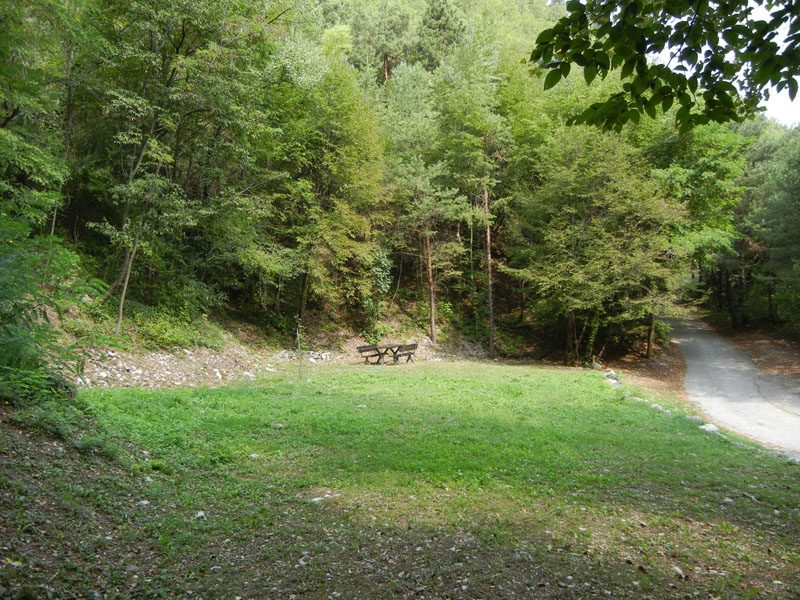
<point x="734" y="393"/>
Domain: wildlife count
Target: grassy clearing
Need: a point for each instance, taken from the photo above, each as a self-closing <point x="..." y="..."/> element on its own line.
<point x="462" y="480"/>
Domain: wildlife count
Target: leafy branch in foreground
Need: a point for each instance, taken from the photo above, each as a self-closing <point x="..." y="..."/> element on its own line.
<point x="708" y="49"/>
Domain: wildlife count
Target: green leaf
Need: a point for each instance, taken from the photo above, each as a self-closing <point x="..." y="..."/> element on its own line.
<point x="589" y="73"/>
<point x="627" y="68"/>
<point x="546" y="37"/>
<point x="650" y="107"/>
<point x="553" y="77"/>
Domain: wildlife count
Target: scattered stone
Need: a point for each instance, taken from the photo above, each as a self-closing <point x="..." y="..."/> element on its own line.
<point x="143" y="503"/>
<point x="727" y="500"/>
<point x="254" y="456"/>
<point x="611" y="374"/>
<point x="217" y="374"/>
<point x="278" y="425"/>
<point x="710" y="428"/>
<point x="626" y="394"/>
<point x="248" y="374"/>
<point x="361" y="406"/>
<point x="148" y="479"/>
<point x="678" y="572"/>
<point x="694" y="418"/>
<point x="132" y="569"/>
<point x="216" y="569"/>
<point x="200" y="515"/>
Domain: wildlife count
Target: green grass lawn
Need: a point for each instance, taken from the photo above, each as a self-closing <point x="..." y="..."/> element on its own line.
<point x="437" y="480"/>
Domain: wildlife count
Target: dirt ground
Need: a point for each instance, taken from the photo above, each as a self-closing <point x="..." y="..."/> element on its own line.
<point x="773" y="354"/>
<point x="662" y="375"/>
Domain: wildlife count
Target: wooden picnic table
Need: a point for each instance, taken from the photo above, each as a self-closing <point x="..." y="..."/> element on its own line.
<point x="393" y="351"/>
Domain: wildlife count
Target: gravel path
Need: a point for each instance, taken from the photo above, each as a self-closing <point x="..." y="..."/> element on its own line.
<point x="734" y="393"/>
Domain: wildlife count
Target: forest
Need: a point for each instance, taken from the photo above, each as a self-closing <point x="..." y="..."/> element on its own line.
<point x="337" y="163"/>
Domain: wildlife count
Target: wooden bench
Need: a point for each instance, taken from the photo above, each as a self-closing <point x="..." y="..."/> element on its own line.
<point x="405" y="351"/>
<point x="370" y="351"/>
<point x="380" y="353"/>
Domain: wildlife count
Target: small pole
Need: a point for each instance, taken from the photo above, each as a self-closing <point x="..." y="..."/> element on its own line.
<point x="299" y="357"/>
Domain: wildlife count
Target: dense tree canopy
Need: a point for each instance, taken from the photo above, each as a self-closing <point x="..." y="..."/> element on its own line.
<point x="362" y="164"/>
<point x="715" y="60"/>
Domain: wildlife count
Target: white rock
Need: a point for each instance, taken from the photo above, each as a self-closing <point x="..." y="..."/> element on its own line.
<point x="248" y="374"/>
<point x="143" y="502"/>
<point x="361" y="406"/>
<point x="217" y="374"/>
<point x="678" y="571"/>
<point x="254" y="456"/>
<point x="710" y="428"/>
<point x="200" y="515"/>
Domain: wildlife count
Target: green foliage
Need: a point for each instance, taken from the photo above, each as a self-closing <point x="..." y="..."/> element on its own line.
<point x="711" y="47"/>
<point x="37" y="274"/>
<point x="594" y="242"/>
<point x="202" y="154"/>
<point x="159" y="329"/>
<point x="439" y="30"/>
<point x="381" y="36"/>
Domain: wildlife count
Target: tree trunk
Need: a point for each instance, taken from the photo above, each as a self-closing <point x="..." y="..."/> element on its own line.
<point x="718" y="283"/>
<point x="431" y="289"/>
<point x="301" y="311"/>
<point x="118" y="280"/>
<point x="651" y="330"/>
<point x="570" y="345"/>
<point x="773" y="318"/>
<point x="489" y="282"/>
<point x="731" y="299"/>
<point x="127" y="270"/>
<point x="386" y="69"/>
